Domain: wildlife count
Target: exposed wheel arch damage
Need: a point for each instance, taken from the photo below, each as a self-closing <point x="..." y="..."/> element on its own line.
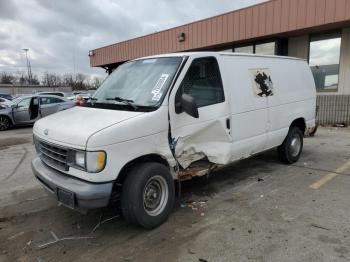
<point x="299" y="122"/>
<point x="142" y="159"/>
<point x="117" y="188"/>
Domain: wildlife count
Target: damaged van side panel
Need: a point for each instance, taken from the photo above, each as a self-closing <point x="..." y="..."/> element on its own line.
<point x="207" y="137"/>
<point x="248" y="120"/>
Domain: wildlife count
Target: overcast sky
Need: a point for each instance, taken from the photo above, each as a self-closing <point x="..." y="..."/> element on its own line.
<point x="59" y="33"/>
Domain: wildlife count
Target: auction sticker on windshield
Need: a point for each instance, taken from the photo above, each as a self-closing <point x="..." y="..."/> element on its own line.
<point x="157" y="89"/>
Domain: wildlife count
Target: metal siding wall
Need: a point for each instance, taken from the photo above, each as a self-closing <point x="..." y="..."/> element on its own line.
<point x="265" y="19"/>
<point x="310" y="13"/>
<point x="320" y="11"/>
<point x="301" y="15"/>
<point x="340" y="11"/>
<point x="277" y="9"/>
<point x="333" y="109"/>
<point x="269" y="18"/>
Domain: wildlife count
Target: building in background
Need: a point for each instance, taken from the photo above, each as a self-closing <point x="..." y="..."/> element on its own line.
<point x="315" y="30"/>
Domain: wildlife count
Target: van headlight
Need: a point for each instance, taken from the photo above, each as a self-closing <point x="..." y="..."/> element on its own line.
<point x="92" y="162"/>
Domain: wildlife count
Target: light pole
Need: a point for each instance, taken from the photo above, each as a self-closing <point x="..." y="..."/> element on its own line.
<point x="28" y="66"/>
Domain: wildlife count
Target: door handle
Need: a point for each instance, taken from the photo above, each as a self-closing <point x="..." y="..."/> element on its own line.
<point x="228" y="123"/>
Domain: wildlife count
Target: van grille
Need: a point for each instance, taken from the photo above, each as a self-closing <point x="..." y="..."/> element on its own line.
<point x="52" y="155"/>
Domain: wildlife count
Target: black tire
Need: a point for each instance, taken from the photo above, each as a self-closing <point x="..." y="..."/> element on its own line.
<point x="144" y="186"/>
<point x="5" y="123"/>
<point x="292" y="146"/>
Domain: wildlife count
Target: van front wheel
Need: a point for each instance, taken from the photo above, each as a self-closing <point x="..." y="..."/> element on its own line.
<point x="148" y="195"/>
<point x="289" y="152"/>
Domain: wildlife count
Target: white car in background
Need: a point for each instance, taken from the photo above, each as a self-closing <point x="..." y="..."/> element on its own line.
<point x="5" y="102"/>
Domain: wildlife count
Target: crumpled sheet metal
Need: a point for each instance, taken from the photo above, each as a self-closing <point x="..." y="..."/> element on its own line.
<point x="211" y="141"/>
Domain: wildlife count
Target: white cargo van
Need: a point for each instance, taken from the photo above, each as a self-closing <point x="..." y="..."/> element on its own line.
<point x="171" y="117"/>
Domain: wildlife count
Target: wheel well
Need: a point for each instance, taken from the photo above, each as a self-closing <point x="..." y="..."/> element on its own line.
<point x="146" y="158"/>
<point x="300" y="122"/>
<point x="9" y="118"/>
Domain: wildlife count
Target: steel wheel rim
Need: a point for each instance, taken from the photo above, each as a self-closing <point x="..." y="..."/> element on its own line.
<point x="155" y="195"/>
<point x="4" y="123"/>
<point x="295" y="145"/>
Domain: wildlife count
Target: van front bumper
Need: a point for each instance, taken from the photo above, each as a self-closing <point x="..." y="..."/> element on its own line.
<point x="71" y="192"/>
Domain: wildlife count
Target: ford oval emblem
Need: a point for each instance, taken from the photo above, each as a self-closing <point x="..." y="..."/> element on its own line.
<point x="46" y="132"/>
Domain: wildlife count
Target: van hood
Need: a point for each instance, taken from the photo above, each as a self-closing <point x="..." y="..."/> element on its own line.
<point x="74" y="126"/>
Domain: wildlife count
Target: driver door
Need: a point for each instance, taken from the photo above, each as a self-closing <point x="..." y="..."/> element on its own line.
<point x="20" y="112"/>
<point x="208" y="136"/>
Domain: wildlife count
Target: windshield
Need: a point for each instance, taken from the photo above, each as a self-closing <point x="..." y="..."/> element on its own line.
<point x="142" y="82"/>
<point x="18" y="99"/>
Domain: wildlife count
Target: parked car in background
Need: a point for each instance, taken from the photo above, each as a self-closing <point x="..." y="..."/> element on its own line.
<point x="67" y="95"/>
<point x="84" y="95"/>
<point x="6" y="96"/>
<point x="26" y="110"/>
<point x="5" y="102"/>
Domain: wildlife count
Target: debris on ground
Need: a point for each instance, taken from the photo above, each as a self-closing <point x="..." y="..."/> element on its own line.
<point x="199" y="206"/>
<point x="128" y="258"/>
<point x="260" y="179"/>
<point x="319" y="227"/>
<point x="190" y="251"/>
<point x="340" y="125"/>
<point x="57" y="239"/>
<point x="16" y="235"/>
<point x="100" y="222"/>
<point x="202" y="260"/>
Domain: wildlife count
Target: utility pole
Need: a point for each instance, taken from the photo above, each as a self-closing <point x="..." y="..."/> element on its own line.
<point x="30" y="77"/>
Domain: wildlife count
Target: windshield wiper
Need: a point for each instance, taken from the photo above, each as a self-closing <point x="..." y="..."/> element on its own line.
<point x="123" y="100"/>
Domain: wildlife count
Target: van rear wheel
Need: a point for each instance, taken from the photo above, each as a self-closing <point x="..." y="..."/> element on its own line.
<point x="148" y="195"/>
<point x="292" y="146"/>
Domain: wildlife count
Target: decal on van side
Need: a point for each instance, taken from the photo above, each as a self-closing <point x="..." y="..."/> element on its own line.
<point x="261" y="81"/>
<point x="157" y="89"/>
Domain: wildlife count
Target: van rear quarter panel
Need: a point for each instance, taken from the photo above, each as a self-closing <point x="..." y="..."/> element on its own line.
<point x="294" y="96"/>
<point x="248" y="113"/>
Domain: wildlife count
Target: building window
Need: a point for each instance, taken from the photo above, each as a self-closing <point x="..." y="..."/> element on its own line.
<point x="226" y="50"/>
<point x="324" y="61"/>
<point x="265" y="48"/>
<point x="249" y="49"/>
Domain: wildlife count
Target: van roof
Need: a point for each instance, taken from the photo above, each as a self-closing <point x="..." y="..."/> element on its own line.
<point x="220" y="53"/>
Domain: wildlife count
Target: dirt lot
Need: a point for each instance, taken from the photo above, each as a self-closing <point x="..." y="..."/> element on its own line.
<point x="254" y="210"/>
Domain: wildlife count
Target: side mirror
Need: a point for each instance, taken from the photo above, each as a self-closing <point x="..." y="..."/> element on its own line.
<point x="189" y="106"/>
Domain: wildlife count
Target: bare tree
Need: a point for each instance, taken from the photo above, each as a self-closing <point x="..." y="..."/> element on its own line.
<point x="51" y="79"/>
<point x="96" y="82"/>
<point x="7" y="78"/>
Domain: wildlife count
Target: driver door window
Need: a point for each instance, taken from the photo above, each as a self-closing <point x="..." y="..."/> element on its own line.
<point x="203" y="82"/>
<point x="24" y="103"/>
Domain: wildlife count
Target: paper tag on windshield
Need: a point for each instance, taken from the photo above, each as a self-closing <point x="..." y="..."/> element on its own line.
<point x="157" y="89"/>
